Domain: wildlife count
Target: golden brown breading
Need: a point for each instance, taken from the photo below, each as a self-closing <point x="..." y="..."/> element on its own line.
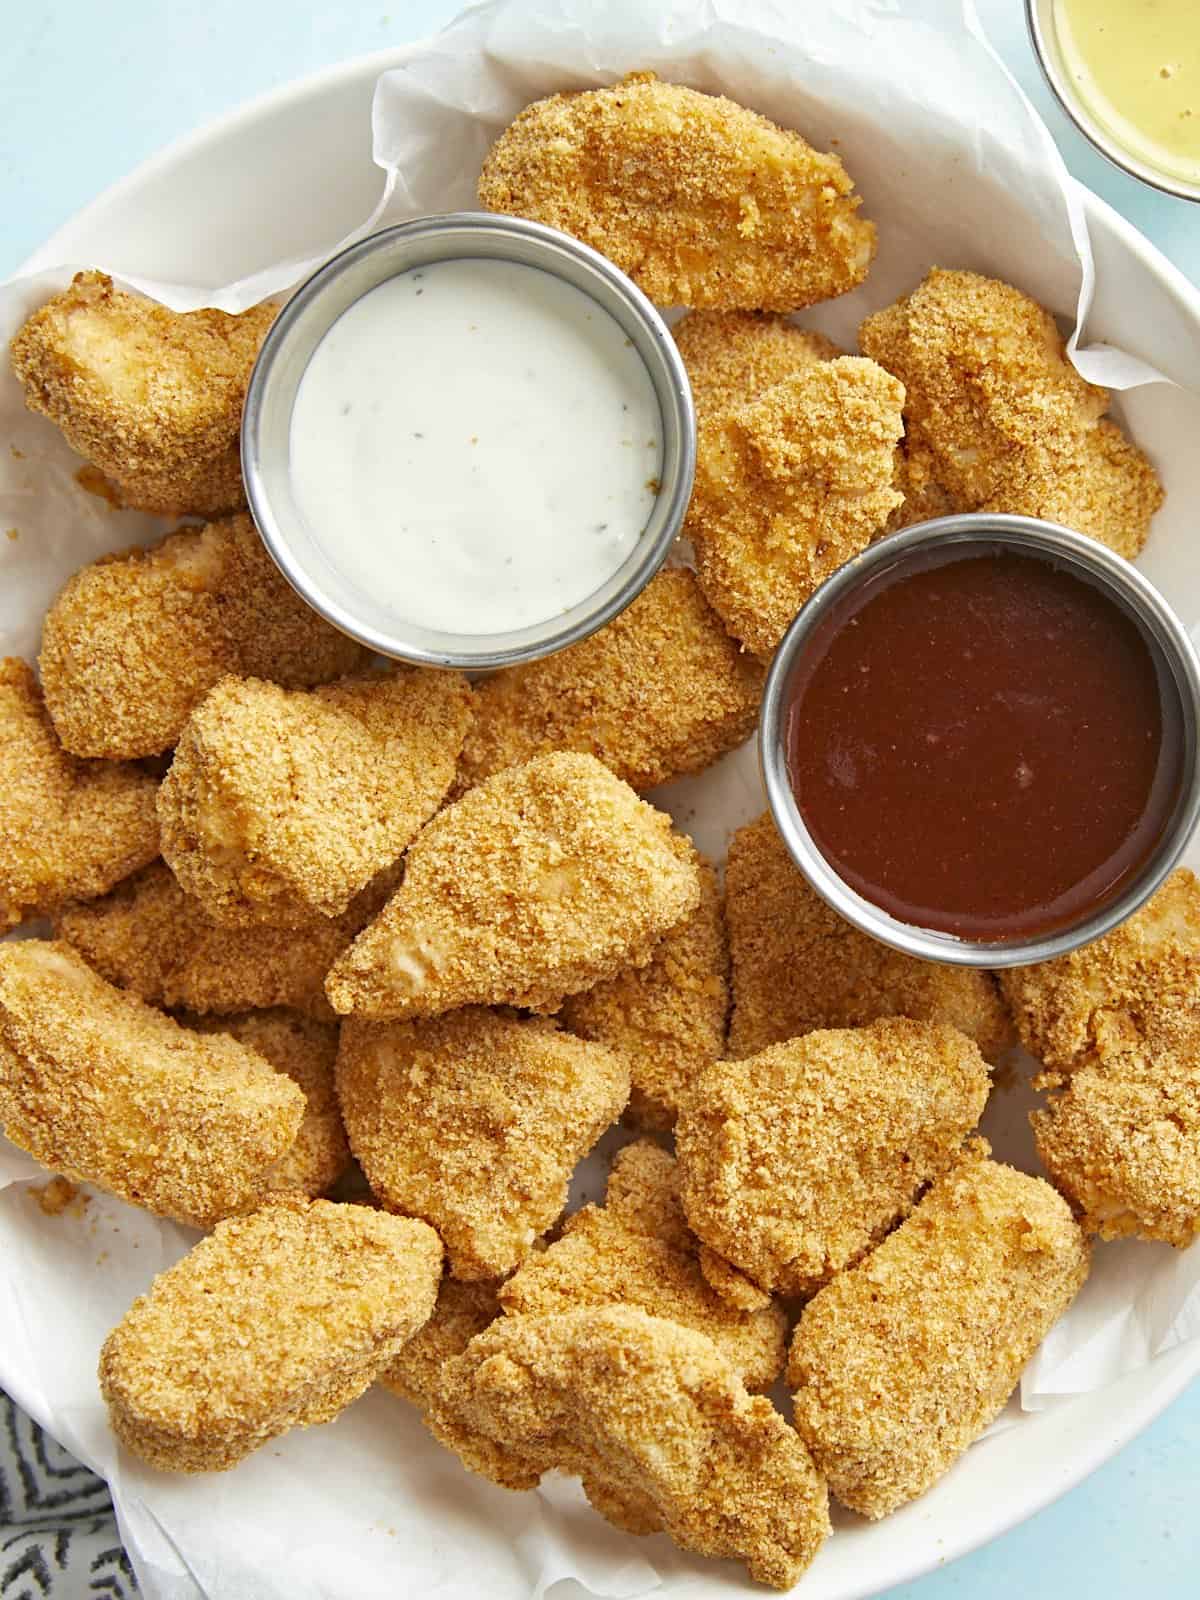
<point x="668" y="1017"/>
<point x="608" y="1256"/>
<point x="661" y="692"/>
<point x="283" y="804"/>
<point x="151" y="397"/>
<point x="924" y="497"/>
<point x="653" y="1419"/>
<point x="793" y="1163"/>
<point x="306" y="1051"/>
<point x="797" y="965"/>
<point x="702" y="202"/>
<point x="462" y="1311"/>
<point x="1122" y="1139"/>
<point x="102" y="1088"/>
<point x="900" y="1363"/>
<point x="540" y="882"/>
<point x="1001" y="417"/>
<point x="475" y="1121"/>
<point x="732" y="356"/>
<point x="278" y="1320"/>
<point x="1092" y="999"/>
<point x="135" y="641"/>
<point x="68" y="828"/>
<point x="788" y="487"/>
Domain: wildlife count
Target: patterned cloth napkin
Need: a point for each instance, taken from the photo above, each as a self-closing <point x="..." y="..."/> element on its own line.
<point x="58" y="1537"/>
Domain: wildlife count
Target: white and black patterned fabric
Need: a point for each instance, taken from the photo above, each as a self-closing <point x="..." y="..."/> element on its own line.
<point x="58" y="1537"/>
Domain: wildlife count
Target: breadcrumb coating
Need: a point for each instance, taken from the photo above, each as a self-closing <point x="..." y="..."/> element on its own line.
<point x="668" y="1017"/>
<point x="732" y="356"/>
<point x="134" y="641"/>
<point x="617" y="695"/>
<point x="283" y="804"/>
<point x="924" y="497"/>
<point x="462" y="1311"/>
<point x="475" y="1121"/>
<point x="1096" y="998"/>
<point x="151" y="397"/>
<point x="542" y="881"/>
<point x="900" y="1363"/>
<point x="1001" y="417"/>
<point x="794" y="1162"/>
<point x="613" y="1256"/>
<point x="655" y="1421"/>
<point x="1122" y="1139"/>
<point x="306" y="1051"/>
<point x="277" y="1320"/>
<point x="700" y="201"/>
<point x="788" y="487"/>
<point x="100" y="1087"/>
<point x="797" y="965"/>
<point x="68" y="828"/>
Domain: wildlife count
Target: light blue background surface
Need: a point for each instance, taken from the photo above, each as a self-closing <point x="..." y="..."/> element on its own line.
<point x="87" y="91"/>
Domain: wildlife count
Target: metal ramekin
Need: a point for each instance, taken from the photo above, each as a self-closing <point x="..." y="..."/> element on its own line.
<point x="307" y="317"/>
<point x="1074" y="552"/>
<point x="1043" y="32"/>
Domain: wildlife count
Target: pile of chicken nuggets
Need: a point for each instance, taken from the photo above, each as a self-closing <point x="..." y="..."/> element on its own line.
<point x="317" y="921"/>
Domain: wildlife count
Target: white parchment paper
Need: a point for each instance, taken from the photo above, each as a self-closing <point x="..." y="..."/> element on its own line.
<point x="957" y="171"/>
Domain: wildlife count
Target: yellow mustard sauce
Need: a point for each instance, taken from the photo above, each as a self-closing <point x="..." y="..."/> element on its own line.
<point x="1135" y="65"/>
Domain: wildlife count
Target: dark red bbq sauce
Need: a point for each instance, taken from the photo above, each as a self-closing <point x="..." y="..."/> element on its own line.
<point x="983" y="744"/>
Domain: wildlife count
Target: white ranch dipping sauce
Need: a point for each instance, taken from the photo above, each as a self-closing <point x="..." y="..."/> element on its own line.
<point x="477" y="444"/>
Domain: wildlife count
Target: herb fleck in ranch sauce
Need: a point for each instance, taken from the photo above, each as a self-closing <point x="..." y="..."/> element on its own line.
<point x="478" y="444"/>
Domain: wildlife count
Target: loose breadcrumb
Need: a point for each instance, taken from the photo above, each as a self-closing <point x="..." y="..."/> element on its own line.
<point x="100" y="1087"/>
<point x="614" y="1255"/>
<point x="151" y="397"/>
<point x="797" y="965"/>
<point x="701" y="201"/>
<point x="788" y="487"/>
<point x="135" y="641"/>
<point x="544" y="880"/>
<point x="659" y="693"/>
<point x="283" y="804"/>
<point x="654" y="1420"/>
<point x="475" y="1121"/>
<point x="667" y="1018"/>
<point x="732" y="356"/>
<point x="69" y="829"/>
<point x="462" y="1311"/>
<point x="1093" y="998"/>
<point x="278" y="1320"/>
<point x="793" y="1163"/>
<point x="900" y="1363"/>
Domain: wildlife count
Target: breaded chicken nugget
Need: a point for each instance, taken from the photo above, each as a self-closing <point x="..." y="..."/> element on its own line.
<point x="797" y="965"/>
<point x="102" y="1088"/>
<point x="615" y="1256"/>
<point x="668" y="1017"/>
<point x="283" y="804"/>
<point x="702" y="202"/>
<point x="1006" y="422"/>
<point x="793" y="1163"/>
<point x="135" y="641"/>
<point x="655" y="1421"/>
<point x="732" y="356"/>
<point x="68" y="828"/>
<point x="475" y="1121"/>
<point x="462" y="1311"/>
<point x="661" y="692"/>
<point x="1122" y="1140"/>
<point x="1096" y="998"/>
<point x="306" y="1051"/>
<point x="151" y="397"/>
<point x="544" y="880"/>
<point x="924" y="497"/>
<point x="900" y="1363"/>
<point x="150" y="937"/>
<point x="277" y="1321"/>
<point x="788" y="487"/>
